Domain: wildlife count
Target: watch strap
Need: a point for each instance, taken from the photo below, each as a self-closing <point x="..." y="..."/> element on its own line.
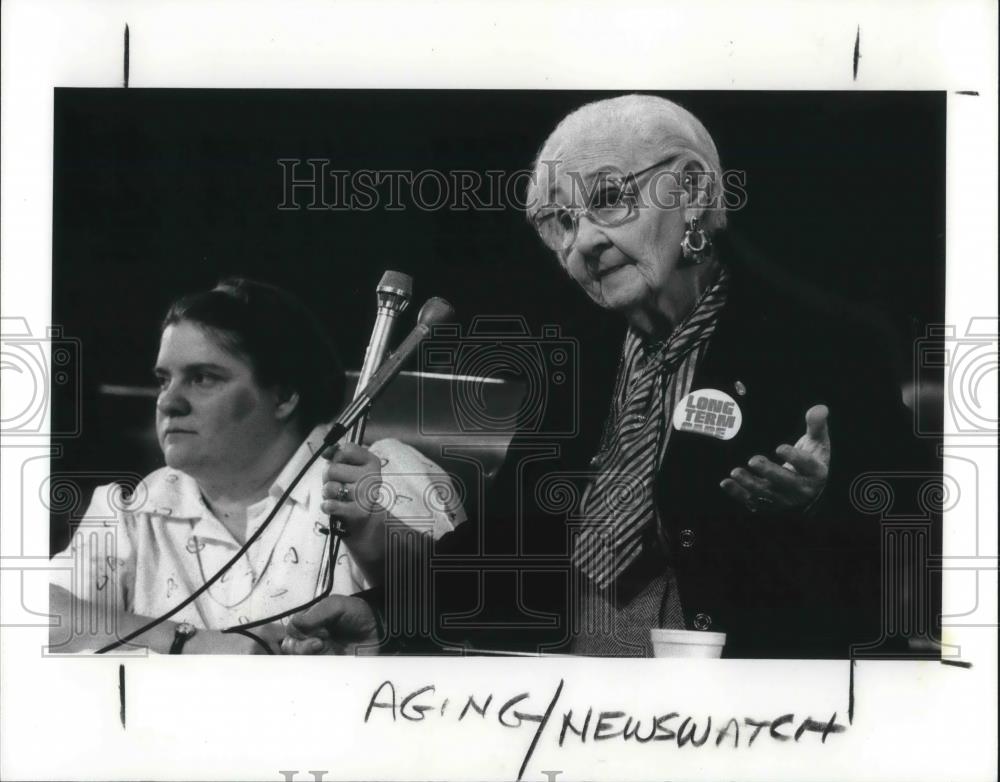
<point x="182" y="634"/>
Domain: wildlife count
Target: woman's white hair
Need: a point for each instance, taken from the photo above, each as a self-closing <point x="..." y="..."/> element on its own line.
<point x="649" y="124"/>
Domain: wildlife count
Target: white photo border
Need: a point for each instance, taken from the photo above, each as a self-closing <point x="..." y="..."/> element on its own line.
<point x="236" y="718"/>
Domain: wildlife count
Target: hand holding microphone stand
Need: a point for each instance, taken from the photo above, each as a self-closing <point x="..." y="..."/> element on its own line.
<point x="434" y="311"/>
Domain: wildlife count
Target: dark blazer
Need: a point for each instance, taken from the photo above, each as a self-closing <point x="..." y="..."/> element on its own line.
<point x="779" y="585"/>
<point x="785" y="584"/>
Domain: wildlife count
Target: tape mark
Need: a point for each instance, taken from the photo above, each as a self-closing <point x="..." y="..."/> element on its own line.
<point x="857" y="52"/>
<point x="121" y="693"/>
<point x="125" y="81"/>
<point x="968" y="92"/>
<point x="957" y="663"/>
<point x="850" y="696"/>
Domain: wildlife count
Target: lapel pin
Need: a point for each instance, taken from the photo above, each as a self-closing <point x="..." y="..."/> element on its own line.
<point x="710" y="412"/>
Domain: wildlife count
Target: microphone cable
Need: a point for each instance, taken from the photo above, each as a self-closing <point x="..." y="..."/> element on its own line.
<point x="335" y="534"/>
<point x="435" y="310"/>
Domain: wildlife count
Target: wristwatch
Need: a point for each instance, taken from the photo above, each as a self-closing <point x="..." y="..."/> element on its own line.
<point x="182" y="634"/>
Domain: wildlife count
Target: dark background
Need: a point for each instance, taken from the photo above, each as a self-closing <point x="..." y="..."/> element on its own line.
<point x="161" y="192"/>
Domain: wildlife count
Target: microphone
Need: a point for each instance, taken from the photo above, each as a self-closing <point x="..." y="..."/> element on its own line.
<point x="434" y="311"/>
<point x="393" y="295"/>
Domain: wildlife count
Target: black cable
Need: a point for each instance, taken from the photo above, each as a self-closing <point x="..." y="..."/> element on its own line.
<point x="336" y="432"/>
<point x="335" y="537"/>
<point x="257" y="638"/>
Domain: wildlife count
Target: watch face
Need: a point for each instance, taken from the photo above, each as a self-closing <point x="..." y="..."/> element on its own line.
<point x="186" y="629"/>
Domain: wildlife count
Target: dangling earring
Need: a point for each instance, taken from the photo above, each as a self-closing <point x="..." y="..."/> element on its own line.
<point x="695" y="246"/>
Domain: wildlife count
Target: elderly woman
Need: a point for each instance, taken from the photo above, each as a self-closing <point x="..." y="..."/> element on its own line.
<point x="629" y="198"/>
<point x="247" y="383"/>
<point x="718" y="497"/>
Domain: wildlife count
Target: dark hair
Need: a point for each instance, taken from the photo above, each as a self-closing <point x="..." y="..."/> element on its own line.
<point x="277" y="335"/>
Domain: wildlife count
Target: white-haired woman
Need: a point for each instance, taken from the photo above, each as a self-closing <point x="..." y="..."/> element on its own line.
<point x="719" y="415"/>
<point x="717" y="498"/>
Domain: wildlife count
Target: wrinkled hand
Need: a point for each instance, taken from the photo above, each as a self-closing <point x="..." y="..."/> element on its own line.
<point x="351" y="492"/>
<point x="796" y="484"/>
<point x="338" y="624"/>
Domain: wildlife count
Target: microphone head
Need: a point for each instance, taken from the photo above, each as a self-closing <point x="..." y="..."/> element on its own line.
<point x="435" y="310"/>
<point x="397" y="283"/>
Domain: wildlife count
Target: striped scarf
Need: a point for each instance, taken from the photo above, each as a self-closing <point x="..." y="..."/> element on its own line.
<point x="618" y="504"/>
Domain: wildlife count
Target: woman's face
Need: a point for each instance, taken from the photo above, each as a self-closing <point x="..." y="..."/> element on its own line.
<point x="212" y="417"/>
<point x="628" y="268"/>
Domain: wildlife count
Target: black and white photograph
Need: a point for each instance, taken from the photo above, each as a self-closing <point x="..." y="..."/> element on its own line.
<point x="688" y="447"/>
<point x="453" y="395"/>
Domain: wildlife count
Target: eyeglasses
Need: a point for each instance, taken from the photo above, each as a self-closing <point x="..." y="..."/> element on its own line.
<point x="613" y="203"/>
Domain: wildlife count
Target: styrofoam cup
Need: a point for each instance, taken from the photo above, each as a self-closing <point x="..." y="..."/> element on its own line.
<point x="686" y="643"/>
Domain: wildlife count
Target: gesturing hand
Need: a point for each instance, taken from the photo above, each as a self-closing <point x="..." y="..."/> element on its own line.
<point x="796" y="484"/>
